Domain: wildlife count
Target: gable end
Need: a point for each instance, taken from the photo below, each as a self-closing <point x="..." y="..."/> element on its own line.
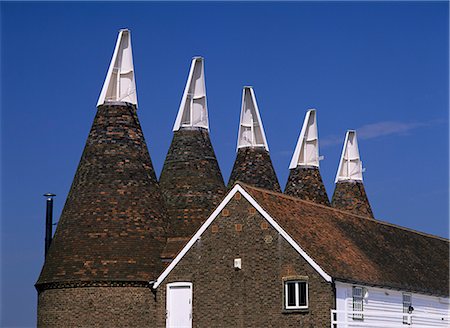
<point x="238" y="189"/>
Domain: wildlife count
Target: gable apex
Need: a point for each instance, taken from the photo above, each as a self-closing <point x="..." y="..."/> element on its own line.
<point x="239" y="189"/>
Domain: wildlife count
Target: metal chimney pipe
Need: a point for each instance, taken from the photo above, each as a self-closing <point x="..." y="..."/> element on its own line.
<point x="48" y="221"/>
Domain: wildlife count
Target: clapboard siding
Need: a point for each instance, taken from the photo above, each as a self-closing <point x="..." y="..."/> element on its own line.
<point x="384" y="307"/>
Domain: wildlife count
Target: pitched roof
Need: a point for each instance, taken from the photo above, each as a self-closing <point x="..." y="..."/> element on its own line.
<point x="173" y="246"/>
<point x="358" y="249"/>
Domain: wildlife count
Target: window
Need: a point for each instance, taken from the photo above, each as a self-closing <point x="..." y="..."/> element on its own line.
<point x="358" y="304"/>
<point x="407" y="308"/>
<point x="295" y="295"/>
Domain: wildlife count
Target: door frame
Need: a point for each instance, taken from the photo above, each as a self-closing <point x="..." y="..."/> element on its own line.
<point x="177" y="284"/>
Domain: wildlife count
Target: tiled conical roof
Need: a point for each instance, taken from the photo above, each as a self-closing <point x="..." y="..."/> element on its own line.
<point x="191" y="181"/>
<point x="349" y="193"/>
<point x="253" y="165"/>
<point x="112" y="227"/>
<point x="306" y="183"/>
<point x="304" y="180"/>
<point x="351" y="196"/>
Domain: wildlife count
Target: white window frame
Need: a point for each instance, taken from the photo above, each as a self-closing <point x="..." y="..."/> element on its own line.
<point x="297" y="305"/>
<point x="360" y="299"/>
<point x="406" y="319"/>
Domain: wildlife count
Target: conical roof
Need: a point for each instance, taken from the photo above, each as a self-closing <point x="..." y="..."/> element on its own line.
<point x="253" y="165"/>
<point x="191" y="180"/>
<point x="304" y="180"/>
<point x="351" y="196"/>
<point x="349" y="193"/>
<point x="113" y="223"/>
<point x="306" y="183"/>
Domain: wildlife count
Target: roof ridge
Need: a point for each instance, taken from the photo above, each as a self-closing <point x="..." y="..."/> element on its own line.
<point x="245" y="186"/>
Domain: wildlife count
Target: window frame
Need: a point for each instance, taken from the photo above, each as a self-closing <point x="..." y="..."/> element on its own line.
<point x="357" y="298"/>
<point x="297" y="281"/>
<point x="407" y="320"/>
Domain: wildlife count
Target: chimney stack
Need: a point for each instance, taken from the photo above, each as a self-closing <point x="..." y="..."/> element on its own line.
<point x="48" y="221"/>
<point x="349" y="193"/>
<point x="304" y="180"/>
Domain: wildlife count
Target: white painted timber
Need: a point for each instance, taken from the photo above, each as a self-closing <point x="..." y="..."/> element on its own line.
<point x="251" y="131"/>
<point x="237" y="188"/>
<point x="350" y="165"/>
<point x="383" y="307"/>
<point x="307" y="150"/>
<point x="120" y="84"/>
<point x="193" y="111"/>
<point x="179" y="305"/>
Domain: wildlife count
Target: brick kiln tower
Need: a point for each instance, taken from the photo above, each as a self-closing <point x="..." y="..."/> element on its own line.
<point x="253" y="165"/>
<point x="112" y="229"/>
<point x="304" y="180"/>
<point x="349" y="193"/>
<point x="191" y="180"/>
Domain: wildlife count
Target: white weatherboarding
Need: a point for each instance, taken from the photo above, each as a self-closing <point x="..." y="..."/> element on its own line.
<point x="350" y="165"/>
<point x="193" y="112"/>
<point x="251" y="130"/>
<point x="120" y="84"/>
<point x="307" y="150"/>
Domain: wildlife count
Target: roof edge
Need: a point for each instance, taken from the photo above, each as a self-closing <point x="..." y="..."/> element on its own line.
<point x="397" y="288"/>
<point x="244" y="185"/>
<point x="238" y="188"/>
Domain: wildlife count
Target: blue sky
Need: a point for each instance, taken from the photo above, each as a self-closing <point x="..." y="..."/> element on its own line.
<point x="380" y="68"/>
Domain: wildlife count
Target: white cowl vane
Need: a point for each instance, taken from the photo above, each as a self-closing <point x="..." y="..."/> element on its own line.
<point x="251" y="130"/>
<point x="307" y="150"/>
<point x="350" y="166"/>
<point x="193" y="112"/>
<point x="120" y="84"/>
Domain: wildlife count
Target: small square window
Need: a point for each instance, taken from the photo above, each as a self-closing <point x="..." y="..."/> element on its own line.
<point x="295" y="295"/>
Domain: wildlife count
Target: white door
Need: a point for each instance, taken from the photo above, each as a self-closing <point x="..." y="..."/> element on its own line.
<point x="179" y="305"/>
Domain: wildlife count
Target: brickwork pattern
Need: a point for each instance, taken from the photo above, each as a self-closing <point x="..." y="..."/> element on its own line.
<point x="253" y="296"/>
<point x="96" y="307"/>
<point x="351" y="196"/>
<point x="191" y="181"/>
<point x="306" y="183"/>
<point x="113" y="223"/>
<point x="253" y="166"/>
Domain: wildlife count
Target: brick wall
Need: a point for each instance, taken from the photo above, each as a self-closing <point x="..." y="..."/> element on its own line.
<point x="253" y="296"/>
<point x="96" y="307"/>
